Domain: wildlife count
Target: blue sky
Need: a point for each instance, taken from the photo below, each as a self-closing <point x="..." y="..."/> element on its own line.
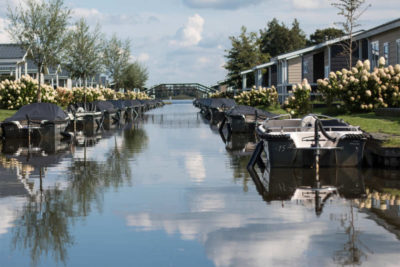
<point x="185" y="40"/>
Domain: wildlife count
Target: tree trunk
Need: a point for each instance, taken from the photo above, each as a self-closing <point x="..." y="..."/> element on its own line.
<point x="39" y="92"/>
<point x="84" y="90"/>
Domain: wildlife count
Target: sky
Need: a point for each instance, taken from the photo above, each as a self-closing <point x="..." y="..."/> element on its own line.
<point x="186" y="40"/>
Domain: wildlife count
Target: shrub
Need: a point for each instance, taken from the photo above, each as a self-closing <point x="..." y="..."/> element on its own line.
<point x="64" y="96"/>
<point x="261" y="97"/>
<point x="362" y="90"/>
<point x="92" y="94"/>
<point x="130" y="95"/>
<point x="222" y="95"/>
<point x="15" y="94"/>
<point x="299" y="103"/>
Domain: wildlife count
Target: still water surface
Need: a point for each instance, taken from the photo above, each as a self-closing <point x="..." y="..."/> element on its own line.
<point x="168" y="191"/>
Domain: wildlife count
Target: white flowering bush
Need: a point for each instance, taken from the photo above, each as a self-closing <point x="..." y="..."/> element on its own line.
<point x="363" y="90"/>
<point x="261" y="97"/>
<point x="64" y="96"/>
<point x="15" y="94"/>
<point x="299" y="102"/>
<point x="130" y="95"/>
<point x="92" y="94"/>
<point x="222" y="95"/>
<point x="108" y="93"/>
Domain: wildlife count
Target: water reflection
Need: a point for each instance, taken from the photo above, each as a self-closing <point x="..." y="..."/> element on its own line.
<point x="41" y="224"/>
<point x="193" y="203"/>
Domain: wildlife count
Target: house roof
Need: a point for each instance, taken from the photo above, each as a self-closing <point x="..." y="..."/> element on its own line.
<point x="11" y="51"/>
<point x="357" y="36"/>
<point x="380" y="29"/>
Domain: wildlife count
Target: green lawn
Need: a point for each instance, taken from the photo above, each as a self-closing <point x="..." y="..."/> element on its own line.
<point x="273" y="109"/>
<point x="4" y="113"/>
<point x="371" y="123"/>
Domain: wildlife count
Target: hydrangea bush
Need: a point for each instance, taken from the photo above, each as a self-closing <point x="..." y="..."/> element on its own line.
<point x="222" y="95"/>
<point x="261" y="97"/>
<point x="299" y="102"/>
<point x="15" y="94"/>
<point x="363" y="90"/>
<point x="130" y="95"/>
<point x="64" y="96"/>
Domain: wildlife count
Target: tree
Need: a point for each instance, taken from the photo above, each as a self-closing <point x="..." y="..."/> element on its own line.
<point x="134" y="76"/>
<point x="244" y="54"/>
<point x="116" y="59"/>
<point x="84" y="51"/>
<point x="322" y="35"/>
<point x="278" y="39"/>
<point x="40" y="29"/>
<point x="351" y="10"/>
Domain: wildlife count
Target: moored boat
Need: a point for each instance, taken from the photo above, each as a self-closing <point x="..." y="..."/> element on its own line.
<point x="295" y="142"/>
<point x="110" y="118"/>
<point x="243" y="119"/>
<point x="86" y="118"/>
<point x="36" y="120"/>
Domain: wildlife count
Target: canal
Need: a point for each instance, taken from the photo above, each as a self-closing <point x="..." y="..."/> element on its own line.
<point x="169" y="190"/>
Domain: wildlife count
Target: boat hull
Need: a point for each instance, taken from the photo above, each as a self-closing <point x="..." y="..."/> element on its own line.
<point x="238" y="124"/>
<point x="282" y="152"/>
<point x="44" y="130"/>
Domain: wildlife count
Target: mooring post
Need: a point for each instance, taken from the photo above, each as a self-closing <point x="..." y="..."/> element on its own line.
<point x="317" y="153"/>
<point x="74" y="113"/>
<point x="256" y="157"/>
<point x="29" y="131"/>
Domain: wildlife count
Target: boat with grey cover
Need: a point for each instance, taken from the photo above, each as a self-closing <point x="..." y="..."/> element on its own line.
<point x="36" y="120"/>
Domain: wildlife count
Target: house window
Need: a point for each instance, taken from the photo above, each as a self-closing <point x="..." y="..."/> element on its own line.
<point x="398" y="51"/>
<point x="386" y="53"/>
<point x="374" y="54"/>
<point x="305" y="66"/>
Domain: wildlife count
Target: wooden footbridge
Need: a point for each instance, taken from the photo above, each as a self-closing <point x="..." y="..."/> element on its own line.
<point x="180" y="90"/>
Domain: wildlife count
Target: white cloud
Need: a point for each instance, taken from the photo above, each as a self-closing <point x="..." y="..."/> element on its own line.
<point x="4" y="36"/>
<point x="203" y="60"/>
<point x="191" y="33"/>
<point x="143" y="57"/>
<point x="306" y="4"/>
<point x="220" y="4"/>
<point x="86" y="13"/>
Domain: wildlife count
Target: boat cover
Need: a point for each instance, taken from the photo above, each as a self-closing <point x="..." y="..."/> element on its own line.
<point x="118" y="104"/>
<point x="133" y="103"/>
<point x="85" y="106"/>
<point x="39" y="112"/>
<point x="247" y="110"/>
<point x="104" y="106"/>
<point x="222" y="102"/>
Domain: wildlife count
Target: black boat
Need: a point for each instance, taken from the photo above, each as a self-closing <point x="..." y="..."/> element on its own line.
<point x="86" y="118"/>
<point x="243" y="119"/>
<point x="110" y="118"/>
<point x="36" y="120"/>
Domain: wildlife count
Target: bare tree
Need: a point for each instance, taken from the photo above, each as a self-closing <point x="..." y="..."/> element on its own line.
<point x="351" y="10"/>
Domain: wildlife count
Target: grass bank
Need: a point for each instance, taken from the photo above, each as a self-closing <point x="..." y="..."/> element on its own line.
<point x="5" y="113"/>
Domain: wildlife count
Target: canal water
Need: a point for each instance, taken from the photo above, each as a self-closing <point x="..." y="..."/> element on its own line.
<point x="169" y="190"/>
